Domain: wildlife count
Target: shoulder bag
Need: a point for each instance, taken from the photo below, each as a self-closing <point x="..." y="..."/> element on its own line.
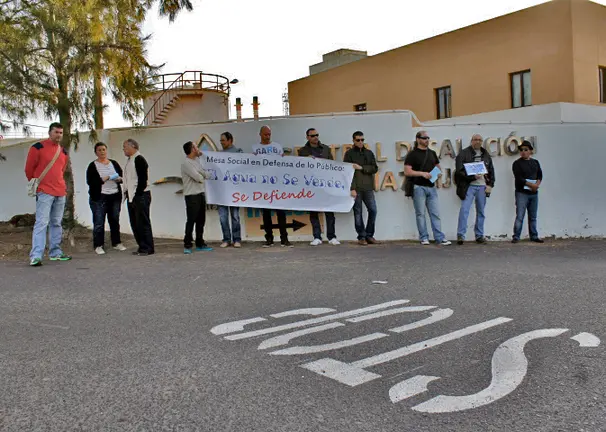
<point x="32" y="185"/>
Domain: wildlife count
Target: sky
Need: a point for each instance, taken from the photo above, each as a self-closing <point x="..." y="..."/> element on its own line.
<point x="267" y="43"/>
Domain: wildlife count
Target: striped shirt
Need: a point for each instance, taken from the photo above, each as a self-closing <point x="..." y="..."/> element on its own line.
<point x="110" y="187"/>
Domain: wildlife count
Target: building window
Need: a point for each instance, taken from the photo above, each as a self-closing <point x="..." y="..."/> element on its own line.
<point x="360" y="107"/>
<point x="443" y="102"/>
<point x="521" y="90"/>
<point x="602" y="84"/>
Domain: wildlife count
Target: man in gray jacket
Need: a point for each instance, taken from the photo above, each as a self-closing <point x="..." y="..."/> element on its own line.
<point x="195" y="200"/>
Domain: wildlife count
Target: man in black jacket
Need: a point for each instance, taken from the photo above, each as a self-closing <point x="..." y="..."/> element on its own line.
<point x="314" y="148"/>
<point x="528" y="177"/>
<point x="362" y="188"/>
<point x="138" y="196"/>
<point x="473" y="187"/>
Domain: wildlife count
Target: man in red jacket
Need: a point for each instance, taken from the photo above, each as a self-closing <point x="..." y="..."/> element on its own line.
<point x="50" y="196"/>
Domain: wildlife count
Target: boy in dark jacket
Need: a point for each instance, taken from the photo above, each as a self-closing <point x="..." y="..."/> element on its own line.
<point x="362" y="188"/>
<point x="472" y="188"/>
<point x="528" y="177"/>
<point x="313" y="147"/>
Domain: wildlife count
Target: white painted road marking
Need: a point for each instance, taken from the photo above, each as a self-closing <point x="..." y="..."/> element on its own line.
<point x="312" y="349"/>
<point x="436" y="316"/>
<point x="411" y="387"/>
<point x="390" y="312"/>
<point x="509" y="367"/>
<point x="234" y="326"/>
<point x="312" y="321"/>
<point x="283" y="339"/>
<point x="354" y="374"/>
<point x="308" y="311"/>
<point x="509" y="364"/>
<point x="587" y="340"/>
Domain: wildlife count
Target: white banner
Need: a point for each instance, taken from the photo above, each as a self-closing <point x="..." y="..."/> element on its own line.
<point x="277" y="182"/>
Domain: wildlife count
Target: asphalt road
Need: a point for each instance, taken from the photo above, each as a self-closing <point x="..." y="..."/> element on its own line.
<point x="124" y="343"/>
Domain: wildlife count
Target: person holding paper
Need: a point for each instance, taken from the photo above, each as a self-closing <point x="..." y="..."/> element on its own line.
<point x="422" y="165"/>
<point x="474" y="177"/>
<point x="528" y="177"/>
<point x="104" y="179"/>
<point x="268" y="147"/>
<point x="227" y="142"/>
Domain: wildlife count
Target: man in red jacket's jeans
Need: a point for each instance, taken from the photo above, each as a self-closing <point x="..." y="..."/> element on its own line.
<point x="50" y="196"/>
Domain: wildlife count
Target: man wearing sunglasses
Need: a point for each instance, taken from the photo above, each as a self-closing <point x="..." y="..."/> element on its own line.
<point x="362" y="188"/>
<point x="528" y="177"/>
<point x="314" y="148"/>
<point x="418" y="164"/>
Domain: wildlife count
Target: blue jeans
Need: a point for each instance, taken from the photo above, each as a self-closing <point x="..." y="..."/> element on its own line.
<point x="479" y="194"/>
<point x="49" y="214"/>
<point x="523" y="202"/>
<point x="368" y="198"/>
<point x="234" y="233"/>
<point x="423" y="197"/>
<point x="107" y="206"/>
<point x="314" y="218"/>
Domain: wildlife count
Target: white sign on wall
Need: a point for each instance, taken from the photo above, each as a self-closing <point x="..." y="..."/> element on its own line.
<point x="277" y="182"/>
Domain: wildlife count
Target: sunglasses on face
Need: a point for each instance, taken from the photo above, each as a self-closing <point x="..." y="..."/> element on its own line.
<point x="314" y="135"/>
<point x="359" y="139"/>
<point x="524" y="149"/>
<point x="424" y="137"/>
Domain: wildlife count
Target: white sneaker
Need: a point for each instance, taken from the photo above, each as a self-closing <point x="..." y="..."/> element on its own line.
<point x="334" y="242"/>
<point x="120" y="247"/>
<point x="224" y="245"/>
<point x="446" y="242"/>
<point x="99" y="251"/>
<point x="316" y="242"/>
<point x="425" y="242"/>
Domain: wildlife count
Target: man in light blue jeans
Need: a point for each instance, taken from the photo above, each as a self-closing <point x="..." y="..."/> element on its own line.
<point x="477" y="193"/>
<point x="419" y="163"/>
<point x="49" y="213"/>
<point x="233" y="236"/>
<point x="46" y="161"/>
<point x="427" y="197"/>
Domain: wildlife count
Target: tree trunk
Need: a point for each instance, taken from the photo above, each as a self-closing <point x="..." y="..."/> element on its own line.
<point x="65" y="118"/>
<point x="98" y="93"/>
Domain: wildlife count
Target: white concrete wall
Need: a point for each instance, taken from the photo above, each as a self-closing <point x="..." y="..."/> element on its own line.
<point x="571" y="154"/>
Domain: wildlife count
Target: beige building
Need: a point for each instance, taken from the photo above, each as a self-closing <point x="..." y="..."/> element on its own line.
<point x="553" y="52"/>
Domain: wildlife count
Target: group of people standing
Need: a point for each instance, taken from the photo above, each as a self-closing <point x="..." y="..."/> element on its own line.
<point x="110" y="185"/>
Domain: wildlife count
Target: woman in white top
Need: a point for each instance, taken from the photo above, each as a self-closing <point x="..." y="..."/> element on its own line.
<point x="104" y="177"/>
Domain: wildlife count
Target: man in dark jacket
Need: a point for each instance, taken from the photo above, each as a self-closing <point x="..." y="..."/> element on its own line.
<point x="473" y="187"/>
<point x="314" y="148"/>
<point x="528" y="177"/>
<point x="362" y="188"/>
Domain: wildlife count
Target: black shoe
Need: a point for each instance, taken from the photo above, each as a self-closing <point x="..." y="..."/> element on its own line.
<point x="286" y="243"/>
<point x="268" y="243"/>
<point x="537" y="240"/>
<point x="460" y="240"/>
<point x="481" y="240"/>
<point x="143" y="253"/>
<point x="515" y="240"/>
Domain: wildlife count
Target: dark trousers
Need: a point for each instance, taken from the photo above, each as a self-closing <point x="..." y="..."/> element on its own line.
<point x="107" y="206"/>
<point x="314" y="218"/>
<point x="267" y="223"/>
<point x="195" y="206"/>
<point x="140" y="222"/>
<point x="368" y="198"/>
<point x="526" y="202"/>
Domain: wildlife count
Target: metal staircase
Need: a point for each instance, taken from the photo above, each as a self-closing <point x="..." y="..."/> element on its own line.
<point x="173" y="86"/>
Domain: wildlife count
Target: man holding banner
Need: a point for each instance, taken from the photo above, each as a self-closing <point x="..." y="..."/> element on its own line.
<point x="267" y="147"/>
<point x="277" y="182"/>
<point x="314" y="148"/>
